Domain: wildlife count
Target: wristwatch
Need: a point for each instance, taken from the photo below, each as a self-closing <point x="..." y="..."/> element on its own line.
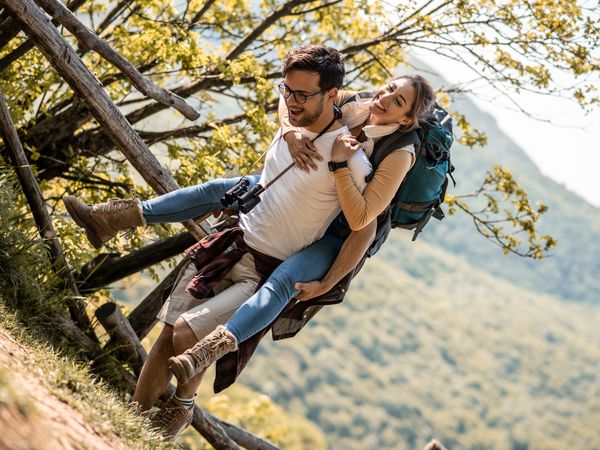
<point x="333" y="166"/>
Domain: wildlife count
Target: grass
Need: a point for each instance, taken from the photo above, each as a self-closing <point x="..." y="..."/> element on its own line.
<point x="71" y="382"/>
<point x="28" y="298"/>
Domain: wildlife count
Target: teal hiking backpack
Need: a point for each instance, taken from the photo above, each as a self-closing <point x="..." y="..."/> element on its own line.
<point x="423" y="190"/>
<point x="420" y="195"/>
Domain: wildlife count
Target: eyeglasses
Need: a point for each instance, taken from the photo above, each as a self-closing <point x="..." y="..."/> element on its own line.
<point x="300" y="97"/>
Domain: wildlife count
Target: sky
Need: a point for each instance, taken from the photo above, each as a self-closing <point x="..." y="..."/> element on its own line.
<point x="562" y="140"/>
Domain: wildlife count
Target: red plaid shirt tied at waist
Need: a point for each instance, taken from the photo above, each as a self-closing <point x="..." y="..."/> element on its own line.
<point x="215" y="255"/>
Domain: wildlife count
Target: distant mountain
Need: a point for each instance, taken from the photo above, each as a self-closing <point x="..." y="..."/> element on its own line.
<point x="429" y="345"/>
<point x="446" y="337"/>
<point x="571" y="271"/>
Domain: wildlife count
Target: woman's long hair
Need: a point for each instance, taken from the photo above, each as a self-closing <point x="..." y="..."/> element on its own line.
<point x="423" y="102"/>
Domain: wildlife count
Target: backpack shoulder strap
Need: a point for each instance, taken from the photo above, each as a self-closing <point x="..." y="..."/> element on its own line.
<point x="361" y="94"/>
<point x="393" y="142"/>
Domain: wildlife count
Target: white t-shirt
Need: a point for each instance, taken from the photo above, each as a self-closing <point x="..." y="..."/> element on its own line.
<point x="296" y="210"/>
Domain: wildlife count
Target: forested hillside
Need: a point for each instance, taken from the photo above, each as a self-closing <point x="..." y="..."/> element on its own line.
<point x="428" y="345"/>
<point x="571" y="270"/>
<point x="446" y="337"/>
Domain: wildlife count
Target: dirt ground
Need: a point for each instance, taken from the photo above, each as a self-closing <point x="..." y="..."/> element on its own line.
<point x="49" y="423"/>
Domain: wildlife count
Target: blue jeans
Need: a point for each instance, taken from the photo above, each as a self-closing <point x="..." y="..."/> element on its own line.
<point x="190" y="202"/>
<point x="311" y="263"/>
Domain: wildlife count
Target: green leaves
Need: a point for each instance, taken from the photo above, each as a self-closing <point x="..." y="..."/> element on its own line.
<point x="503" y="214"/>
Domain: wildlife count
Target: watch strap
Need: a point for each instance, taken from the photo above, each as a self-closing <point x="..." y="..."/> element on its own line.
<point x="333" y="166"/>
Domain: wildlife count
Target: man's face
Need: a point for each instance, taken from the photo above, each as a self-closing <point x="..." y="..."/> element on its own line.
<point x="307" y="83"/>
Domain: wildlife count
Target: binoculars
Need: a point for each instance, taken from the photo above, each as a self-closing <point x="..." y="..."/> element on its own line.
<point x="246" y="199"/>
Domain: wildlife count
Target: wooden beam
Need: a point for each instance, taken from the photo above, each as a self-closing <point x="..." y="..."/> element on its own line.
<point x="89" y="40"/>
<point x="124" y="340"/>
<point x="241" y="436"/>
<point x="105" y="269"/>
<point x="36" y="202"/>
<point x="70" y="66"/>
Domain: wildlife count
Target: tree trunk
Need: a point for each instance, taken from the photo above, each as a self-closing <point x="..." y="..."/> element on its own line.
<point x="33" y="193"/>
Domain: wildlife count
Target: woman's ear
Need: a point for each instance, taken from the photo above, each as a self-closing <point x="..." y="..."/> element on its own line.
<point x="406" y="121"/>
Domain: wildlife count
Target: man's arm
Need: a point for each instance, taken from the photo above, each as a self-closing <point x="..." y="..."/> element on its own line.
<point x="354" y="248"/>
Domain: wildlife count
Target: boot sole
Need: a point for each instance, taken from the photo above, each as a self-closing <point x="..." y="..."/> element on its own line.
<point x="178" y="370"/>
<point x="92" y="237"/>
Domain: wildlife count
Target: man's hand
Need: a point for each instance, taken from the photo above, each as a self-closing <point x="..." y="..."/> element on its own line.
<point x="302" y="150"/>
<point x="344" y="148"/>
<point x="311" y="290"/>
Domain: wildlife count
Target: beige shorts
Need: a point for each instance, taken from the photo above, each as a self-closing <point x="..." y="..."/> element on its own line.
<point x="203" y="315"/>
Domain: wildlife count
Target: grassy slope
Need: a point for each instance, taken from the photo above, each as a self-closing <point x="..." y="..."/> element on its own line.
<point x="571" y="271"/>
<point x="447" y="351"/>
<point x="49" y="401"/>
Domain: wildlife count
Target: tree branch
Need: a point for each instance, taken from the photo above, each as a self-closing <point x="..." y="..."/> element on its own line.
<point x="90" y="40"/>
<point x="73" y="70"/>
<point x="35" y="199"/>
<point x="105" y="269"/>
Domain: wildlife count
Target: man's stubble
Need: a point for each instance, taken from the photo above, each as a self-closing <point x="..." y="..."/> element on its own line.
<point x="307" y="119"/>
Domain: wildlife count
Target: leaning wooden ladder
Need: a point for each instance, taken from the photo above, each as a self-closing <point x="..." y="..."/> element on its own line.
<point x="33" y="21"/>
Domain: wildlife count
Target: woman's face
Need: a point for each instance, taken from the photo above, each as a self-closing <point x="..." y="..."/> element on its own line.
<point x="392" y="103"/>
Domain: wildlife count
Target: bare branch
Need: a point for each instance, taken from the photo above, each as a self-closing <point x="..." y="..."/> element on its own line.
<point x="91" y="41"/>
<point x="198" y="16"/>
<point x="260" y="29"/>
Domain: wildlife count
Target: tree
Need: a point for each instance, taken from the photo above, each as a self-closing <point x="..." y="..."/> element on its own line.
<point x="216" y="52"/>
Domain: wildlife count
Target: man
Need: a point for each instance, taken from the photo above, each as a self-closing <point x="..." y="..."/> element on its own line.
<point x="293" y="212"/>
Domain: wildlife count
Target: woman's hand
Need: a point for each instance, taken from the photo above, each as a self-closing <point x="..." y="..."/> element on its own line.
<point x="302" y="150"/>
<point x="311" y="290"/>
<point x="344" y="148"/>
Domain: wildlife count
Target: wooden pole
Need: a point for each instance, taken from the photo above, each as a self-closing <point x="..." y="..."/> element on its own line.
<point x="130" y="349"/>
<point x="70" y="66"/>
<point x="219" y="434"/>
<point x="89" y="40"/>
<point x="241" y="436"/>
<point x="34" y="197"/>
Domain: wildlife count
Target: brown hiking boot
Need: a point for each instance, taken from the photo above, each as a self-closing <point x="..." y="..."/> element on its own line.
<point x="173" y="418"/>
<point x="203" y="354"/>
<point x="103" y="221"/>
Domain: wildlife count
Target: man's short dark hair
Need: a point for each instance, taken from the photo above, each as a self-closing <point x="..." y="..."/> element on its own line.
<point x="326" y="61"/>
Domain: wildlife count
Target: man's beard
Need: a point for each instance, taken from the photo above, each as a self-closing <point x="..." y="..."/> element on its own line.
<point x="307" y="119"/>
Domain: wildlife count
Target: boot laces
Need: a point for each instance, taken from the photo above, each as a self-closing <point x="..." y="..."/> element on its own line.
<point x="169" y="414"/>
<point x="114" y="205"/>
<point x="128" y="233"/>
<point x="207" y="348"/>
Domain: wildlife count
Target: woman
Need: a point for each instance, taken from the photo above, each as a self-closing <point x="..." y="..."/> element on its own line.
<point x="396" y="106"/>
